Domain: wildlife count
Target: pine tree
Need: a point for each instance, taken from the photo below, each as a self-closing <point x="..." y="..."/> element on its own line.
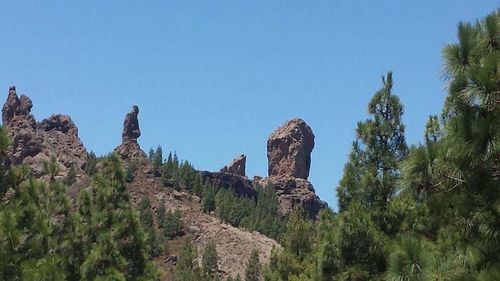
<point x="91" y="165"/>
<point x="209" y="260"/>
<point x="252" y="271"/>
<point x="187" y="268"/>
<point x="151" y="154"/>
<point x="372" y="173"/>
<point x="157" y="160"/>
<point x="71" y="176"/>
<point x="110" y="238"/>
<point x="208" y="201"/>
<point x="34" y="223"/>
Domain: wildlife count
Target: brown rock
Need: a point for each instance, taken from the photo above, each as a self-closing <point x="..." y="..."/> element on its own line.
<point x="131" y="130"/>
<point x="130" y="149"/>
<point x="33" y="143"/>
<point x="237" y="166"/>
<point x="289" y="150"/>
<point x="289" y="154"/>
<point x="293" y="193"/>
<point x="240" y="186"/>
<point x="61" y="137"/>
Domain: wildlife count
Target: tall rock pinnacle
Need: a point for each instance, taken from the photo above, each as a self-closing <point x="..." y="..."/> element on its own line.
<point x="289" y="150"/>
<point x="289" y="155"/>
<point x="130" y="149"/>
<point x="131" y="130"/>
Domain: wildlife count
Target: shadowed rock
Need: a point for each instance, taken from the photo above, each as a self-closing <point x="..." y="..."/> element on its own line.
<point x="237" y="166"/>
<point x="131" y="130"/>
<point x="130" y="149"/>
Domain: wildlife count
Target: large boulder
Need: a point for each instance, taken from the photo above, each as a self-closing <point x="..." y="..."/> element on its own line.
<point x="129" y="149"/>
<point x="289" y="150"/>
<point x="289" y="154"/>
<point x="34" y="143"/>
<point x="237" y="166"/>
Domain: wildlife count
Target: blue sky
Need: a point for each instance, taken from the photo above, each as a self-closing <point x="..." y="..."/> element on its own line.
<point x="214" y="78"/>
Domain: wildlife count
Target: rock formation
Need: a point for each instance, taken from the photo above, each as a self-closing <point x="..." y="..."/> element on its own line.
<point x="237" y="166"/>
<point x="130" y="149"/>
<point x="289" y="150"/>
<point x="289" y="154"/>
<point x="33" y="143"/>
<point x="292" y="193"/>
<point x="240" y="186"/>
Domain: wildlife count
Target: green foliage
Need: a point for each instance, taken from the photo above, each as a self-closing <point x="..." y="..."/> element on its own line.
<point x="209" y="260"/>
<point x="187" y="268"/>
<point x="431" y="214"/>
<point x="255" y="214"/>
<point x="130" y="172"/>
<point x="155" y="244"/>
<point x="208" y="200"/>
<point x="253" y="269"/>
<point x="71" y="176"/>
<point x="171" y="225"/>
<point x="110" y="242"/>
<point x="157" y="160"/>
<point x="91" y="165"/>
<point x="170" y="171"/>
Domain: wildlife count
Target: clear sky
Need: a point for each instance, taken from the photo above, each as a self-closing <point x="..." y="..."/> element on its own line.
<point x="214" y="78"/>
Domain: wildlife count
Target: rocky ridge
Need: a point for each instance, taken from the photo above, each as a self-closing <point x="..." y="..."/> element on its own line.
<point x="33" y="143"/>
<point x="289" y="149"/>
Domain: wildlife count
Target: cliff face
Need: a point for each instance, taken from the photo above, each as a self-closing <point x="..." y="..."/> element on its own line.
<point x="34" y="142"/>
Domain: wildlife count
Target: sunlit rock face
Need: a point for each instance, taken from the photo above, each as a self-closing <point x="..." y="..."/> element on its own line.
<point x="289" y="160"/>
<point x="289" y="150"/>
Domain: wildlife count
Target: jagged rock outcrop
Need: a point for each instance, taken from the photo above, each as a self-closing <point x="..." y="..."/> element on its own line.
<point x="289" y="150"/>
<point x="237" y="166"/>
<point x="241" y="186"/>
<point x="33" y="143"/>
<point x="130" y="149"/>
<point x="289" y="154"/>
